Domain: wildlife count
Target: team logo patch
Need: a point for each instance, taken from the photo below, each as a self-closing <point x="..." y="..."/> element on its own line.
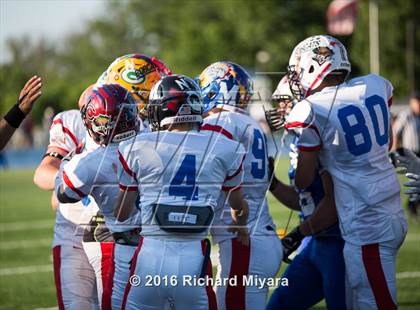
<point x="322" y="54"/>
<point x="133" y="76"/>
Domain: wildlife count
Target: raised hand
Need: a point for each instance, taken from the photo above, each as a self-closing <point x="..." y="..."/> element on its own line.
<point x="30" y="93"/>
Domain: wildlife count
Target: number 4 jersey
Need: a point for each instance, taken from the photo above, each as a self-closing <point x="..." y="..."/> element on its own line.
<point x="349" y="124"/>
<point x="178" y="169"/>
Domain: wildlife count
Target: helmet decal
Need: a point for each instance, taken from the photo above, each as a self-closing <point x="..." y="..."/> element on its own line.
<point x="109" y="113"/>
<point x="175" y="99"/>
<point x="225" y="83"/>
<point x="312" y="60"/>
<point x="137" y="73"/>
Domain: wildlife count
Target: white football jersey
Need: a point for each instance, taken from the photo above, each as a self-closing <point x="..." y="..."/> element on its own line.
<point x="349" y="125"/>
<point x="94" y="173"/>
<point x="179" y="169"/>
<point x="66" y="133"/>
<point x="236" y="124"/>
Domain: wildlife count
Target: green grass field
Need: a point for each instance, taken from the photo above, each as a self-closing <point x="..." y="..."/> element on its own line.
<point x="26" y="229"/>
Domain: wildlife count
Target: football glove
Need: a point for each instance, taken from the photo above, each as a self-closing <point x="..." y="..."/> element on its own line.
<point x="274" y="119"/>
<point x="414" y="184"/>
<point x="290" y="243"/>
<point x="407" y="161"/>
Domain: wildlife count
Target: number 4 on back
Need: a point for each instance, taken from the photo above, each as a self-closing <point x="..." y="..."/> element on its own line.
<point x="187" y="172"/>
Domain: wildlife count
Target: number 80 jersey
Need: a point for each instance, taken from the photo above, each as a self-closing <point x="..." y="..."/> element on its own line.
<point x="349" y="125"/>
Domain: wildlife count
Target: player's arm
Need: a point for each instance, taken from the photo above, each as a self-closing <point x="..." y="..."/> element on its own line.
<point x="286" y="194"/>
<point x="12" y="120"/>
<point x="325" y="214"/>
<point x="302" y="121"/>
<point x="239" y="212"/>
<point x="232" y="188"/>
<point x="72" y="180"/>
<point x="63" y="198"/>
<point x="128" y="183"/>
<point x="45" y="173"/>
<point x="125" y="205"/>
<point x="306" y="168"/>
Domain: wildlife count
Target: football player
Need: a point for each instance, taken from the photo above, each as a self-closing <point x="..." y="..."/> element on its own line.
<point x="110" y="116"/>
<point x="137" y="73"/>
<point x="74" y="276"/>
<point x="317" y="272"/>
<point x="346" y="127"/>
<point x="179" y="172"/>
<point x="227" y="89"/>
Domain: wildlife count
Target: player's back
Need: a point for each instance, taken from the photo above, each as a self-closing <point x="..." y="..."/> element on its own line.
<point x="239" y="126"/>
<point x="180" y="169"/>
<point x="94" y="173"/>
<point x="352" y="124"/>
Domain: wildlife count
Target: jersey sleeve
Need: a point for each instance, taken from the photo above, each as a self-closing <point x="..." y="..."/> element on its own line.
<point x="75" y="175"/>
<point x="234" y="167"/>
<point x="389" y="90"/>
<point x="302" y="122"/>
<point x="126" y="168"/>
<point x="63" y="135"/>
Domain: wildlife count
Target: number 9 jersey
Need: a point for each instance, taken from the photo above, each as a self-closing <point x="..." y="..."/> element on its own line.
<point x="350" y="125"/>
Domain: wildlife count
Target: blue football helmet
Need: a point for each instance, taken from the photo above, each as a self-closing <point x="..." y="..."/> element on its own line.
<point x="225" y="82"/>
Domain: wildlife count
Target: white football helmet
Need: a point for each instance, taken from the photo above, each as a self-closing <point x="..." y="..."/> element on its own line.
<point x="312" y="60"/>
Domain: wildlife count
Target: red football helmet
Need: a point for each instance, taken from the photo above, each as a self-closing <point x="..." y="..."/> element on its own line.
<point x="82" y="99"/>
<point x="109" y="113"/>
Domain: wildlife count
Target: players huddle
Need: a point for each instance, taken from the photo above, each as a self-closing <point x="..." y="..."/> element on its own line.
<point x="154" y="162"/>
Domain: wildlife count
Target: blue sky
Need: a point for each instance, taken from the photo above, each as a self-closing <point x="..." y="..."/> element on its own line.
<point x="43" y="18"/>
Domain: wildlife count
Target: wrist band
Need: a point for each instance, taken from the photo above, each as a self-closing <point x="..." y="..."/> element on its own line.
<point x="15" y="116"/>
<point x="54" y="154"/>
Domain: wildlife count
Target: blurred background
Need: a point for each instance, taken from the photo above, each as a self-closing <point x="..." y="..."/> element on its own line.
<point x="70" y="43"/>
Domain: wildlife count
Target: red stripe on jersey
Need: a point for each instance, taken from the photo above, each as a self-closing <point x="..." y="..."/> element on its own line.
<point x="239" y="267"/>
<point x="302" y="125"/>
<point x="72" y="187"/>
<point x="229" y="177"/>
<point x="132" y="271"/>
<point x="125" y="166"/>
<point x="107" y="270"/>
<point x="231" y="188"/>
<point x="218" y="129"/>
<point x="211" y="296"/>
<point x="309" y="148"/>
<point x="66" y="130"/>
<point x="308" y="92"/>
<point x="128" y="188"/>
<point x="372" y="262"/>
<point x="57" y="275"/>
